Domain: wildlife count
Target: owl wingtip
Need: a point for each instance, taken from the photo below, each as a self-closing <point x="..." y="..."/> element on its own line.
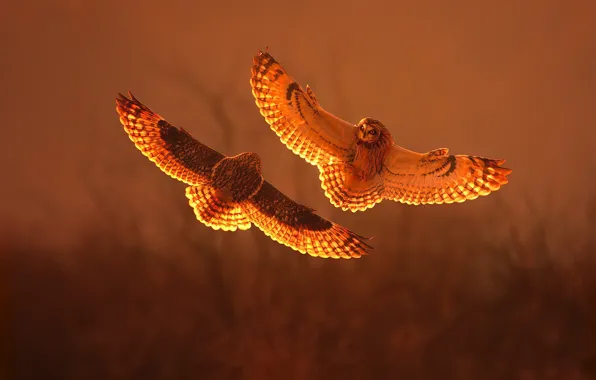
<point x="262" y="54"/>
<point x="364" y="241"/>
<point x="130" y="96"/>
<point x="497" y="164"/>
<point x="506" y="171"/>
<point x="121" y="97"/>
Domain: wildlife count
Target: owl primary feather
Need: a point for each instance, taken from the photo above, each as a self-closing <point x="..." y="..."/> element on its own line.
<point x="360" y="165"/>
<point x="230" y="193"/>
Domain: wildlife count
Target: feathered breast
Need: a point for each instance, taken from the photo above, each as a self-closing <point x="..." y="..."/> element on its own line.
<point x="369" y="157"/>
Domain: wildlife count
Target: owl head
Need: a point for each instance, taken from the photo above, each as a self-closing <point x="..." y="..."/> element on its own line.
<point x="371" y="131"/>
<point x="251" y="160"/>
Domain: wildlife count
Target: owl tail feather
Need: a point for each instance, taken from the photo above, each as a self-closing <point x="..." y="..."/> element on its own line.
<point x="347" y="190"/>
<point x="213" y="209"/>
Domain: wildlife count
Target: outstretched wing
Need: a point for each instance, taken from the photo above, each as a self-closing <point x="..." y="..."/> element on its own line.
<point x="300" y="228"/>
<point x="295" y="115"/>
<point x="437" y="177"/>
<point x="172" y="149"/>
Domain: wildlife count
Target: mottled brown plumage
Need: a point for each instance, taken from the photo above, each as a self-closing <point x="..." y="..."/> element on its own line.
<point x="230" y="193"/>
<point x="360" y="165"/>
<point x="372" y="143"/>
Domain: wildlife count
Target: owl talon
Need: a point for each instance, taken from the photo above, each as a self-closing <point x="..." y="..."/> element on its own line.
<point x="359" y="173"/>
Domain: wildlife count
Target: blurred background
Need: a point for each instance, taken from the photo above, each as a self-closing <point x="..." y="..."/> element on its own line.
<point x="106" y="274"/>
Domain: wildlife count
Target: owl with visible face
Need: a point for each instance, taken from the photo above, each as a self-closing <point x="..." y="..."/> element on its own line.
<point x="230" y="193"/>
<point x="360" y="165"/>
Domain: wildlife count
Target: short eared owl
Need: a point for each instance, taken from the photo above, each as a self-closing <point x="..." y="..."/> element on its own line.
<point x="360" y="165"/>
<point x="230" y="193"/>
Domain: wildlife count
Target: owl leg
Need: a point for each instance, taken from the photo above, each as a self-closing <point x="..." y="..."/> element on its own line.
<point x="214" y="209"/>
<point x="353" y="173"/>
<point x="354" y="178"/>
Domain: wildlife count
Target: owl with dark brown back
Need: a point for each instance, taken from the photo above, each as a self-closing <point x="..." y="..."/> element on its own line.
<point x="230" y="193"/>
<point x="360" y="165"/>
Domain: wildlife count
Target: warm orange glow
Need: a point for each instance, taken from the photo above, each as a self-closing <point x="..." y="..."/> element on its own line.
<point x="312" y="235"/>
<point x="360" y="165"/>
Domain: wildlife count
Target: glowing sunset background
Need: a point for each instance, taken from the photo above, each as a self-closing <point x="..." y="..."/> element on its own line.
<point x="107" y="274"/>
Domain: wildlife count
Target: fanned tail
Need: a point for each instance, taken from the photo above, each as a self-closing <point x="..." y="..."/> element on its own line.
<point x="214" y="211"/>
<point x="349" y="192"/>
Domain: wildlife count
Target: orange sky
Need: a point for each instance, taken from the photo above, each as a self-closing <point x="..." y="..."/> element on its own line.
<point x="514" y="80"/>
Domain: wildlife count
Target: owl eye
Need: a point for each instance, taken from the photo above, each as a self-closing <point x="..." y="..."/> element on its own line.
<point x="372" y="132"/>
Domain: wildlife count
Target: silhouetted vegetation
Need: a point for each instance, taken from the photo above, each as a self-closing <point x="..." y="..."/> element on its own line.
<point x="114" y="307"/>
